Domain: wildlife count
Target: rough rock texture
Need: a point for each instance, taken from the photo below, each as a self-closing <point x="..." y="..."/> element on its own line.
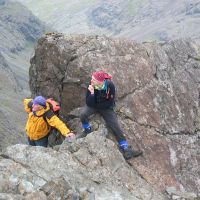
<point x="157" y="89"/>
<point x="87" y="169"/>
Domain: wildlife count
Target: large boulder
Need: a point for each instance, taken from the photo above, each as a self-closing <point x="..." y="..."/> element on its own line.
<point x="156" y="83"/>
<point x="157" y="90"/>
<point x="87" y="169"/>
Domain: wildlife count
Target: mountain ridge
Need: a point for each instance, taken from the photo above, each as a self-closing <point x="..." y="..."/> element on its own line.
<point x="145" y="20"/>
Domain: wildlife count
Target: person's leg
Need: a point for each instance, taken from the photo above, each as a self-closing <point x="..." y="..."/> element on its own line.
<point x="87" y="111"/>
<point x="31" y="142"/>
<point x="43" y="142"/>
<point x="110" y="118"/>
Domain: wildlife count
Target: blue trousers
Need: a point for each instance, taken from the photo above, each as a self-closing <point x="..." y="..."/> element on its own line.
<point x="43" y="142"/>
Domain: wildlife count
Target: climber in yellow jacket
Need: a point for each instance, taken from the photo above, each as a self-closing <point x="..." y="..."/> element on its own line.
<point x="40" y="120"/>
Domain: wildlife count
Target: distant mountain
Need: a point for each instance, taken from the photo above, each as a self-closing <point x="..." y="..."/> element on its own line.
<point x="19" y="29"/>
<point x="18" y="26"/>
<point x="140" y="19"/>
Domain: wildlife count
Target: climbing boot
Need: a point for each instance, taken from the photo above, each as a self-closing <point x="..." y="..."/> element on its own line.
<point x="130" y="153"/>
<point x="85" y="133"/>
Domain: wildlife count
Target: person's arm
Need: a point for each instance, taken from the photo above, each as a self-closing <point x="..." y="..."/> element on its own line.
<point x="28" y="105"/>
<point x="54" y="121"/>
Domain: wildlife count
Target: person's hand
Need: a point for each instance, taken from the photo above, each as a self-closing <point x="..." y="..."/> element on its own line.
<point x="70" y="137"/>
<point x="91" y="89"/>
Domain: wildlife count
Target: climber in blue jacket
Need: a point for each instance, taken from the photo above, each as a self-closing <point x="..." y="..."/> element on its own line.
<point x="100" y="97"/>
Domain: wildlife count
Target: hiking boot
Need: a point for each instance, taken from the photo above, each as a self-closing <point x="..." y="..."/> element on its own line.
<point x="130" y="153"/>
<point x="85" y="133"/>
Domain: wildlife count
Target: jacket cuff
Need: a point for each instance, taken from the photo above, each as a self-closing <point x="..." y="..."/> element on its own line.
<point x="67" y="133"/>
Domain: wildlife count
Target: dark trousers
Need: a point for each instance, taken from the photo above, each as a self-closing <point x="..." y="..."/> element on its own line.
<point x="43" y="142"/>
<point x="110" y="118"/>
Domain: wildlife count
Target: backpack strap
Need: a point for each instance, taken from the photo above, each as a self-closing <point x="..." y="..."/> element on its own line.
<point x="48" y="114"/>
<point x="30" y="104"/>
<point x="108" y="88"/>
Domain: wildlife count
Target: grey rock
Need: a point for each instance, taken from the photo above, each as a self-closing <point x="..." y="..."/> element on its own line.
<point x="36" y="196"/>
<point x="157" y="98"/>
<point x="5" y="196"/>
<point x="101" y="173"/>
<point x="175" y="197"/>
<point x="171" y="190"/>
<point x="57" y="189"/>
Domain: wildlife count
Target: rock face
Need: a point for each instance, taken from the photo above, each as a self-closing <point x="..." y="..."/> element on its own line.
<point x="10" y="120"/>
<point x="18" y="30"/>
<point x="157" y="89"/>
<point x="87" y="169"/>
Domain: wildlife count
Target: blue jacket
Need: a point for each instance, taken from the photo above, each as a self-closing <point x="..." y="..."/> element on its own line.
<point x="102" y="99"/>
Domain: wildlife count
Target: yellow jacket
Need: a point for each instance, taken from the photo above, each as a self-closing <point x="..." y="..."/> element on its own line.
<point x="36" y="127"/>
